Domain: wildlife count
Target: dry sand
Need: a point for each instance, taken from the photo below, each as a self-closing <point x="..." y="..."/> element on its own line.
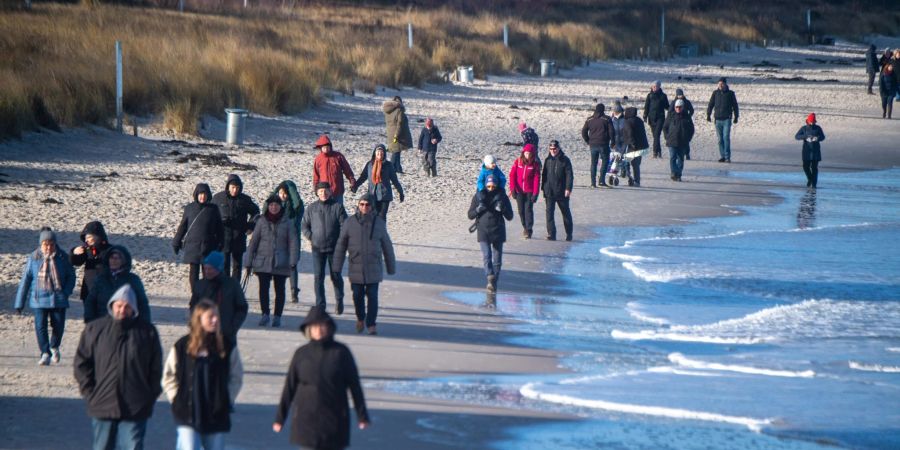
<point x="136" y="187"/>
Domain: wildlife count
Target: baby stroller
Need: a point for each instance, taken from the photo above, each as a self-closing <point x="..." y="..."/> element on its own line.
<point x="620" y="166"/>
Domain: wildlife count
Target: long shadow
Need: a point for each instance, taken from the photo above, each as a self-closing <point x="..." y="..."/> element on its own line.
<point x="537" y="283"/>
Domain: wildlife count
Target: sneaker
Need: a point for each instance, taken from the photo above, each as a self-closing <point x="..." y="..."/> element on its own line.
<point x="672" y="177"/>
<point x="528" y="234"/>
<point x="54" y="355"/>
<point x="45" y="359"/>
<point x="339" y="307"/>
<point x="276" y="322"/>
<point x="372" y="331"/>
<point x="264" y="320"/>
<point x="360" y="325"/>
<point x="728" y="160"/>
<point x="551" y="238"/>
<point x="721" y="159"/>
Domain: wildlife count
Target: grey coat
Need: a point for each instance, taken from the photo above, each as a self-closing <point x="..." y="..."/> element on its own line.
<point x="366" y="239"/>
<point x="274" y="247"/>
<point x="321" y="224"/>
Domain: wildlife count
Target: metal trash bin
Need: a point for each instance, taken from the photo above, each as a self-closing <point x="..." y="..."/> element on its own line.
<point x="235" y="125"/>
<point x="465" y="74"/>
<point x="548" y="67"/>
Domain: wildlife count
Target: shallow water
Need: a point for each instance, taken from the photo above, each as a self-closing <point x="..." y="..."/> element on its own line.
<point x="779" y="328"/>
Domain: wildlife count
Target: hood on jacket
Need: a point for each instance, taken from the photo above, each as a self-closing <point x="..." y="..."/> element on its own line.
<point x="381" y="146"/>
<point x="630" y="111"/>
<point x="202" y="187"/>
<point x="124" y="293"/>
<point x="126" y="257"/>
<point x="95" y="228"/>
<point x="234" y="179"/>
<point x="390" y="106"/>
<point x="291" y="189"/>
<point x="317" y="315"/>
<point x="599" y="110"/>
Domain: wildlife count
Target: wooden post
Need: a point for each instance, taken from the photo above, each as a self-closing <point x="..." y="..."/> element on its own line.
<point x="119" y="113"/>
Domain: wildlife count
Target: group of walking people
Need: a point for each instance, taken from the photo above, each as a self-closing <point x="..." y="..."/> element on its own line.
<point x="887" y="70"/>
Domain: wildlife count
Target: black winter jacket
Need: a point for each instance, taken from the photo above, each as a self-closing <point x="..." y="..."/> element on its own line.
<point x="872" y="65"/>
<point x="366" y="239"/>
<point x="655" y="106"/>
<point x="489" y="209"/>
<point x="598" y="130"/>
<point x="315" y="393"/>
<point x="634" y="133"/>
<point x="678" y="130"/>
<point x="217" y="412"/>
<point x="724" y="102"/>
<point x="92" y="258"/>
<point x="200" y="230"/>
<point x="556" y="178"/>
<point x="225" y="292"/>
<point x="106" y="284"/>
<point x="236" y="213"/>
<point x="425" y="137"/>
<point x="118" y="367"/>
<point x="811" y="149"/>
<point x="321" y="224"/>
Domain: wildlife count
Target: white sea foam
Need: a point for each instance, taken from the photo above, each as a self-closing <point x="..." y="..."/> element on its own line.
<point x="681" y="360"/>
<point x="530" y="391"/>
<point x="657" y="275"/>
<point x="608" y="251"/>
<point x="650" y="335"/>
<point x="677" y="371"/>
<point x="635" y="312"/>
<point x="873" y="367"/>
<point x="893" y="349"/>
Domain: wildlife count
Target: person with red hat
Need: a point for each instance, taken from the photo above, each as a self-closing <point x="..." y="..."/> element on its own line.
<point x="328" y="167"/>
<point x="811" y="134"/>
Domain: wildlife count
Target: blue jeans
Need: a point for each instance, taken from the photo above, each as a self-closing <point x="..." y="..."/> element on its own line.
<point x="676" y="161"/>
<point x="723" y="130"/>
<point x="598" y="152"/>
<point x="395" y="160"/>
<point x="57" y="317"/>
<point x="365" y="311"/>
<point x="190" y="439"/>
<point x="492" y="255"/>
<point x="119" y="434"/>
<point x="320" y="260"/>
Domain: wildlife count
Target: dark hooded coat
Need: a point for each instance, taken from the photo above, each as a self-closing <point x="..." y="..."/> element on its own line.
<point x="236" y="213"/>
<point x="365" y="238"/>
<point x="107" y="283"/>
<point x="655" y="106"/>
<point x="598" y="130"/>
<point x="92" y="258"/>
<point x="398" y="135"/>
<point x="227" y="294"/>
<point x="557" y="178"/>
<point x="490" y="219"/>
<point x="200" y="230"/>
<point x="294" y="206"/>
<point x="634" y="133"/>
<point x="811" y="151"/>
<point x="678" y="130"/>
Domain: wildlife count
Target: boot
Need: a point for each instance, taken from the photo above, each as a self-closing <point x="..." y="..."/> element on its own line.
<point x="339" y="307"/>
<point x="359" y="326"/>
<point x="276" y="322"/>
<point x="264" y="320"/>
<point x="491" y="283"/>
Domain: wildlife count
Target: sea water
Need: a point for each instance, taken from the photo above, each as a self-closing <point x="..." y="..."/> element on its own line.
<point x="777" y="328"/>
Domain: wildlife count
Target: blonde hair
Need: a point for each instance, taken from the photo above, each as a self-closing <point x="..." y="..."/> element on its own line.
<point x="199" y="339"/>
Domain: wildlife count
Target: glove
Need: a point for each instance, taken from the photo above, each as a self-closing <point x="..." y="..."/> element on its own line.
<point x="498" y="207"/>
<point x="735" y="120"/>
<point x="402" y="197"/>
<point x="480" y="208"/>
<point x="708" y="119"/>
<point x="534" y="198"/>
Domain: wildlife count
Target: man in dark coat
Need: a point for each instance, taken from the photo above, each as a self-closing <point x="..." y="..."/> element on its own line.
<point x="315" y="389"/>
<point x="321" y="226"/>
<point x="94" y="244"/>
<point x="655" y="108"/>
<point x="397" y="130"/>
<point x="556" y="183"/>
<point x="236" y="209"/>
<point x="725" y="105"/>
<point x="871" y="67"/>
<point x="225" y="292"/>
<point x="678" y="130"/>
<point x="688" y="108"/>
<point x="598" y="131"/>
<point x="634" y="137"/>
<point x="811" y="134"/>
<point x="118" y="367"/>
<point x="199" y="232"/>
<point x="116" y="273"/>
<point x="365" y="237"/>
<point x="489" y="207"/>
<point x="429" y="138"/>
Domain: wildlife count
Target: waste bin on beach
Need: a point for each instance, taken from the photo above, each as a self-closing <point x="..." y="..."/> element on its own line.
<point x="548" y="67"/>
<point x="235" y="125"/>
<point x="465" y="74"/>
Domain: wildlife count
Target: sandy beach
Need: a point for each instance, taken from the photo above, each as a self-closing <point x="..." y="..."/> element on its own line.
<point x="137" y="187"/>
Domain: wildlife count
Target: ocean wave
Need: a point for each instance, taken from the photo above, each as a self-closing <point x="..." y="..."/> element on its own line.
<point x="635" y="313"/>
<point x="650" y="335"/>
<point x="873" y="367"/>
<point x="658" y="276"/>
<point x="677" y="371"/>
<point x="681" y="360"/>
<point x="893" y="349"/>
<point x="608" y="251"/>
<point x="530" y="391"/>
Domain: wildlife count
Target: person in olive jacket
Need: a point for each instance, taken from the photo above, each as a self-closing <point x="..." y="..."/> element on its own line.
<point x="236" y="209"/>
<point x="556" y="183"/>
<point x="811" y="134"/>
<point x="365" y="237"/>
<point x="679" y="130"/>
<point x="225" y="292"/>
<point x="294" y="208"/>
<point x="118" y="367"/>
<point x="94" y="243"/>
<point x="321" y="227"/>
<point x="116" y="273"/>
<point x="397" y="130"/>
<point x="315" y="389"/>
<point x="655" y="108"/>
<point x="489" y="207"/>
<point x="381" y="174"/>
<point x="199" y="232"/>
<point x="273" y="253"/>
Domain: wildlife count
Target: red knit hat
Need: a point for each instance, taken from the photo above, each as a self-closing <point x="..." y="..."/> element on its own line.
<point x="528" y="148"/>
<point x="322" y="141"/>
<point x="811" y="119"/>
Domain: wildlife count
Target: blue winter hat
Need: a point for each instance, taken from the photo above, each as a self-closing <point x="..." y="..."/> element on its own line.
<point x="490" y="180"/>
<point x="215" y="259"/>
<point x="47" y="234"/>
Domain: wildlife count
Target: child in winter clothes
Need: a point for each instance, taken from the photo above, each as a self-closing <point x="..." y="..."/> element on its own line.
<point x="490" y="168"/>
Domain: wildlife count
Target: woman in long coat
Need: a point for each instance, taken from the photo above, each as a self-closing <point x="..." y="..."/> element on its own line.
<point x="273" y="253"/>
<point x="200" y="231"/>
<point x="811" y="134"/>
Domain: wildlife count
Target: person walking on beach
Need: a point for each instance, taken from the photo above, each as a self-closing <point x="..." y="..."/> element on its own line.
<point x="48" y="280"/>
<point x="94" y="243"/>
<point x="811" y="134"/>
<point x="115" y="274"/>
<point x="678" y="130"/>
<point x="202" y="377"/>
<point x="381" y="175"/>
<point x="529" y="136"/>
<point x="398" y="135"/>
<point x="321" y="227"/>
<point x="871" y="68"/>
<point x="525" y="187"/>
<point x="273" y="253"/>
<point x="429" y="138"/>
<point x="118" y="367"/>
<point x="199" y="232"/>
<point x="315" y="389"/>
<point x="688" y="109"/>
<point x="634" y="137"/>
<point x="725" y="105"/>
<point x="655" y="108"/>
<point x="489" y="167"/>
<point x="294" y="208"/>
<point x="887" y="87"/>
<point x="225" y="293"/>
<point x="618" y="121"/>
<point x="236" y="209"/>
<point x="331" y="167"/>
<point x="598" y="131"/>
<point x="556" y="183"/>
<point x="489" y="207"/>
<point x="365" y="237"/>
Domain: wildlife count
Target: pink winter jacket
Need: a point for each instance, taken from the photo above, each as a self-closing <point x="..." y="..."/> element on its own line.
<point x="525" y="178"/>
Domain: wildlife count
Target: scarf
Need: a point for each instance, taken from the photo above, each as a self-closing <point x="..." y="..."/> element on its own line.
<point x="48" y="277"/>
<point x="376" y="171"/>
<point x="274" y="218"/>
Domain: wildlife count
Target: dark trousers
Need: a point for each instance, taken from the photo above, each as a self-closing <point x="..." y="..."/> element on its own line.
<point x="676" y="161"/>
<point x="381" y="208"/>
<point x="871" y="82"/>
<point x="320" y="260"/>
<point x="526" y="211"/>
<point x="193" y="275"/>
<point x="811" y="169"/>
<point x="233" y="264"/>
<point x="887" y="105"/>
<point x="279" y="280"/>
<point x="366" y="312"/>
<point x="57" y="319"/>
<point x="119" y="434"/>
<point x="636" y="170"/>
<point x="492" y="257"/>
<point x="295" y="286"/>
<point x="395" y="160"/>
<point x="599" y="154"/>
<point x="429" y="162"/>
<point x="566" y="215"/>
<point x="656" y="129"/>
